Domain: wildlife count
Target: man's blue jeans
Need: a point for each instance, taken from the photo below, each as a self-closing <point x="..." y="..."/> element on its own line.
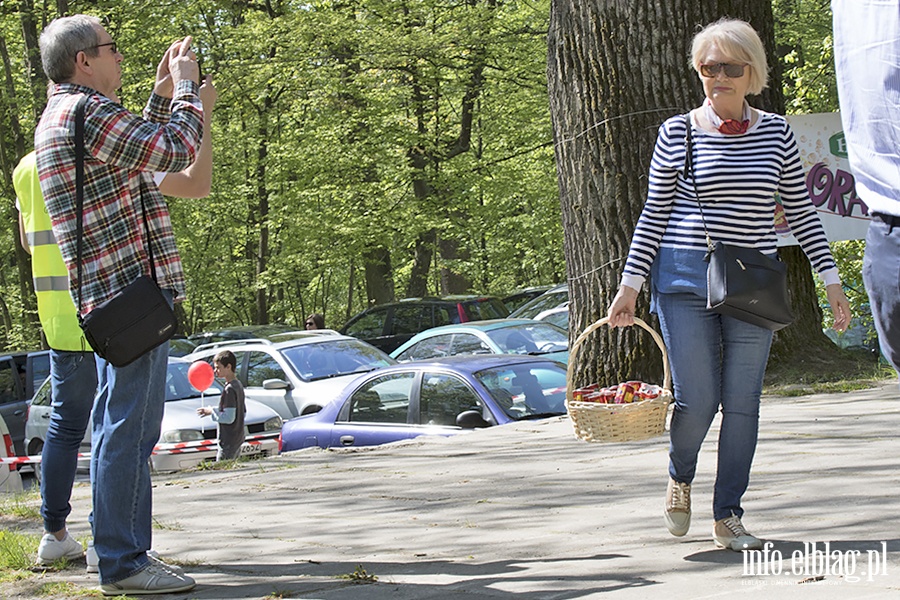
<point x="716" y="361"/>
<point x="881" y="274"/>
<point x="73" y="378"/>
<point x="127" y="418"/>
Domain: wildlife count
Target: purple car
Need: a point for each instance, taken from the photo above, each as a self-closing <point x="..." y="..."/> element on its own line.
<point x="436" y="397"/>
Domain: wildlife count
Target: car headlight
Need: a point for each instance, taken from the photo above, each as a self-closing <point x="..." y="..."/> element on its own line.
<point x="179" y="436"/>
<point x="273" y="424"/>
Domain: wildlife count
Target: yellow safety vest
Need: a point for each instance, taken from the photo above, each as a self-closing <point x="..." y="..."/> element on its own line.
<point x="51" y="280"/>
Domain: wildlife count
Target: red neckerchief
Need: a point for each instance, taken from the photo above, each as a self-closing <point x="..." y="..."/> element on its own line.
<point x="728" y="126"/>
<point x="732" y="127"/>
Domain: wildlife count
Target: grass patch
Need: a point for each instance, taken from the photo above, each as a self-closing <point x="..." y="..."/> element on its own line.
<point x="60" y="589"/>
<point x="17" y="551"/>
<point x="827" y="371"/>
<point x="157" y="524"/>
<point x="360" y="575"/>
<point x="26" y="505"/>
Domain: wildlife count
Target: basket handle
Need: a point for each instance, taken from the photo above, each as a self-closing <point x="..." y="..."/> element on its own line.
<point x="667" y="376"/>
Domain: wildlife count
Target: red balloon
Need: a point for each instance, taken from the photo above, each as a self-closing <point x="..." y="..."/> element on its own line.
<point x="201" y="375"/>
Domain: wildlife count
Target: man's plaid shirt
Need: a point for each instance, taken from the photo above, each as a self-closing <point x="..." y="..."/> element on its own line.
<point x="122" y="150"/>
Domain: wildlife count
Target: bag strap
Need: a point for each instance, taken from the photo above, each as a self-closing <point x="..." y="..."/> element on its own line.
<point x="79" y="199"/>
<point x="689" y="172"/>
<point x="79" y="188"/>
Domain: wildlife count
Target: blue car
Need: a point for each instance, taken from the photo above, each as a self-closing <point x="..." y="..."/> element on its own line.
<point x="496" y="336"/>
<point x="439" y="397"/>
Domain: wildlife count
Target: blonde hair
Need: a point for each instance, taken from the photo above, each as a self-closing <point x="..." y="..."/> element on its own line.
<point x="737" y="40"/>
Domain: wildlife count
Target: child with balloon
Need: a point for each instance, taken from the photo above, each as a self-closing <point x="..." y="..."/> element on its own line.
<point x="230" y="413"/>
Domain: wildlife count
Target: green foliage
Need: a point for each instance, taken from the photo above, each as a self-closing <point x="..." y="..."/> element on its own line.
<point x="804" y="40"/>
<point x="333" y="117"/>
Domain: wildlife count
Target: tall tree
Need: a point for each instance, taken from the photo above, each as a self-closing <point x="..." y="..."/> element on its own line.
<point x="616" y="70"/>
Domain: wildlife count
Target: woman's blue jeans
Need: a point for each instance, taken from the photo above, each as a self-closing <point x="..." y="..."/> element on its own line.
<point x="126" y="425"/>
<point x="716" y="361"/>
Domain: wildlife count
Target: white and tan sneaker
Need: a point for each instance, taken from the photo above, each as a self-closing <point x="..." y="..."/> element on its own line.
<point x="678" y="507"/>
<point x="730" y="533"/>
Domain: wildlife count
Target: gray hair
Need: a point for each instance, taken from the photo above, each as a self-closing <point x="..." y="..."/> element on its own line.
<point x="63" y="39"/>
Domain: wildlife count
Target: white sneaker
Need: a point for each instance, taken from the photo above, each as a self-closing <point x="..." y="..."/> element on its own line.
<point x="93" y="561"/>
<point x="91" y="558"/>
<point x="51" y="549"/>
<point x="152" y="579"/>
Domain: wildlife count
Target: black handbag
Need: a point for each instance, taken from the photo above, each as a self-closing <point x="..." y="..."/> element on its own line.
<point x="138" y="318"/>
<point x="741" y="282"/>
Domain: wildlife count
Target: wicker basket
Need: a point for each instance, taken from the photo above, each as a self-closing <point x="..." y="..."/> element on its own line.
<point x="598" y="422"/>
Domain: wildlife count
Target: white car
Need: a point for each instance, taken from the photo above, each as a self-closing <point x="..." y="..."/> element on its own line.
<point x="10" y="480"/>
<point x="187" y="439"/>
<point x="558" y="316"/>
<point x="300" y="372"/>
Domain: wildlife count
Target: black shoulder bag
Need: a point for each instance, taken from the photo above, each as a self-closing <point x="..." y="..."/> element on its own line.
<point x="741" y="282"/>
<point x="138" y="318"/>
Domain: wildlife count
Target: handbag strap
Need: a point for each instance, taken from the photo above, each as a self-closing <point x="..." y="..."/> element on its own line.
<point x="689" y="172"/>
<point x="79" y="199"/>
<point x="79" y="188"/>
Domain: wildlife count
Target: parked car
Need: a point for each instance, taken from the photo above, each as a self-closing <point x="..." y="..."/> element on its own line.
<point x="20" y="374"/>
<point x="297" y="373"/>
<point x="10" y="480"/>
<point x="239" y="332"/>
<point x="517" y="299"/>
<point x="552" y="298"/>
<point x="186" y="439"/>
<point x="558" y="316"/>
<point x="388" y="325"/>
<point x="440" y="397"/>
<point x="497" y="336"/>
<point x="179" y="346"/>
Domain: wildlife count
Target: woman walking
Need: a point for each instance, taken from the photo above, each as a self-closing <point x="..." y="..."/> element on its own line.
<point x="741" y="158"/>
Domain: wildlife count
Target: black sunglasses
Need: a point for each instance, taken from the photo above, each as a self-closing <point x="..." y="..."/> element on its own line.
<point x="732" y="71"/>
<point x="308" y="323"/>
<point x="112" y="46"/>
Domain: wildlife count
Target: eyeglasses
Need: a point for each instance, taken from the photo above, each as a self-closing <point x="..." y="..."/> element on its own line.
<point x="112" y="46"/>
<point x="309" y="323"/>
<point x="732" y="71"/>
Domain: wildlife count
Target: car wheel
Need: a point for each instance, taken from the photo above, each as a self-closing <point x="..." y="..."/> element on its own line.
<point x="35" y="447"/>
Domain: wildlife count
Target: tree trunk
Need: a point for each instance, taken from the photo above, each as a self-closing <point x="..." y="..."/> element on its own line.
<point x="423" y="252"/>
<point x="23" y="258"/>
<point x="453" y="282"/>
<point x="379" y="285"/>
<point x="262" y="213"/>
<point x="616" y="70"/>
<point x="36" y="76"/>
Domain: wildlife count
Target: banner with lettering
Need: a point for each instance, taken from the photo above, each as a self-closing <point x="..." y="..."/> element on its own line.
<point x="844" y="215"/>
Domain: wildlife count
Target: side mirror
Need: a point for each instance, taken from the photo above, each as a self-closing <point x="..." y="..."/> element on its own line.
<point x="471" y="419"/>
<point x="276" y="384"/>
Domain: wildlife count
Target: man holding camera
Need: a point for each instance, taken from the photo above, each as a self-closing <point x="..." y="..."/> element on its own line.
<point x="121" y="153"/>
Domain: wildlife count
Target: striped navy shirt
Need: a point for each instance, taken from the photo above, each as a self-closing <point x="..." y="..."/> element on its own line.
<point x="737" y="178"/>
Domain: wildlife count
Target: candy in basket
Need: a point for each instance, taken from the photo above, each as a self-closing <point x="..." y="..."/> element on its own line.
<point x="628" y="411"/>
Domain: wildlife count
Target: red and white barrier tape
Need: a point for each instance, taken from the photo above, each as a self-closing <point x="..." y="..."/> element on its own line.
<point x="179" y="448"/>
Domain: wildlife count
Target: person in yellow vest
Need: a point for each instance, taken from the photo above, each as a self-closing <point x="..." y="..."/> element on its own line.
<point x="72" y="367"/>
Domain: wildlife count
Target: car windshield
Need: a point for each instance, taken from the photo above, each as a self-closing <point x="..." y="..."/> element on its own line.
<point x="334" y="358"/>
<point x="536" y="338"/>
<point x="528" y="390"/>
<point x="546" y="301"/>
<point x="178" y="386"/>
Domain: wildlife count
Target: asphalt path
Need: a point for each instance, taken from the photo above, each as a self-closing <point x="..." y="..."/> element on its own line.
<point x="529" y="511"/>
